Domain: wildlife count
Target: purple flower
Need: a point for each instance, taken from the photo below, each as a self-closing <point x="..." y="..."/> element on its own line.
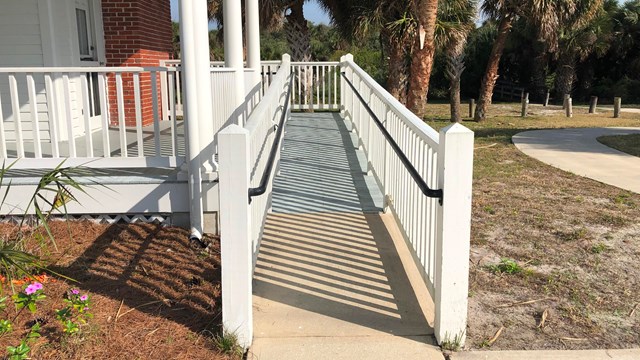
<point x="86" y="309"/>
<point x="84" y="297"/>
<point x="30" y="290"/>
<point x="36" y="285"/>
<point x="75" y="291"/>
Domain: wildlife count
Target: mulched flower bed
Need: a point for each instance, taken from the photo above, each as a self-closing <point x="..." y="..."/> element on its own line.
<point x="153" y="294"/>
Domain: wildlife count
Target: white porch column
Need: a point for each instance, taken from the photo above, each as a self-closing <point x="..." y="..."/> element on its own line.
<point x="252" y="27"/>
<point x="232" y="16"/>
<point x="197" y="93"/>
<point x="203" y="81"/>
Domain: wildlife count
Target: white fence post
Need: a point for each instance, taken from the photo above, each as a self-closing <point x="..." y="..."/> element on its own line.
<point x="235" y="233"/>
<point x="455" y="172"/>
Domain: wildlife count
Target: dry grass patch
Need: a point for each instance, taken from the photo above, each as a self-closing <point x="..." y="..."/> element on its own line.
<point x="547" y="244"/>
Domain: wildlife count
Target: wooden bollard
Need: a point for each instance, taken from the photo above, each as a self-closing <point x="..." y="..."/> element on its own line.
<point x="564" y="101"/>
<point x="593" y="103"/>
<point x="525" y="104"/>
<point x="569" y="108"/>
<point x="472" y="103"/>
<point x="546" y="99"/>
<point x="617" y="105"/>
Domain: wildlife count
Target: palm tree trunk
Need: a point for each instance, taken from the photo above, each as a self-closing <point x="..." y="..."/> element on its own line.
<point x="422" y="59"/>
<point x="297" y="33"/>
<point x="299" y="40"/>
<point x="565" y="75"/>
<point x="491" y="73"/>
<point x="454" y="72"/>
<point x="397" y="81"/>
<point x="540" y="76"/>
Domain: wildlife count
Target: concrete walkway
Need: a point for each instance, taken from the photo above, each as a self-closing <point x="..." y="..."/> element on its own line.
<point x="329" y="281"/>
<point x="578" y="151"/>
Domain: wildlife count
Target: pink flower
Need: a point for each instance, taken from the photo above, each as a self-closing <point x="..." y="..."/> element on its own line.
<point x="30" y="290"/>
<point x="75" y="291"/>
<point x="86" y="309"/>
<point x="37" y="285"/>
<point x="84" y="297"/>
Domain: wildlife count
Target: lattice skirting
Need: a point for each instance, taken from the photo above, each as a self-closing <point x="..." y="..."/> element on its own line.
<point x="164" y="219"/>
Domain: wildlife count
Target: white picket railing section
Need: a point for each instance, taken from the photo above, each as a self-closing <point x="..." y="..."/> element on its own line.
<point x="269" y="69"/>
<point x="315" y="85"/>
<point x="93" y="116"/>
<point x="438" y="235"/>
<point x="243" y="159"/>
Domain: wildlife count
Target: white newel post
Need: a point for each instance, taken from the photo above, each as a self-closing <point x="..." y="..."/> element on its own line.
<point x="232" y="16"/>
<point x="235" y="233"/>
<point x="455" y="175"/>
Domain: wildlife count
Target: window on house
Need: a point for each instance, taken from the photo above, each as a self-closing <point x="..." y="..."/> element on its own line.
<point x="85" y="41"/>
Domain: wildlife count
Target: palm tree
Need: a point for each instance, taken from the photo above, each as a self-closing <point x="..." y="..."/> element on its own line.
<point x="505" y="12"/>
<point x="396" y="24"/>
<point x="456" y="19"/>
<point x="422" y="58"/>
<point x="576" y="44"/>
<point x="546" y="16"/>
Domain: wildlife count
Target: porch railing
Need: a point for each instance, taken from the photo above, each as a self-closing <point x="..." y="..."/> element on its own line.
<point x="436" y="230"/>
<point x="269" y="69"/>
<point x="247" y="156"/>
<point x="100" y="117"/>
<point x="315" y="85"/>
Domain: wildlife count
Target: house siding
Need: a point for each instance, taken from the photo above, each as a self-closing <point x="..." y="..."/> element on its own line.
<point x="21" y="46"/>
<point x="137" y="33"/>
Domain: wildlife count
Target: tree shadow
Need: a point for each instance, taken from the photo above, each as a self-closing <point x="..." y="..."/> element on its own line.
<point x="155" y="270"/>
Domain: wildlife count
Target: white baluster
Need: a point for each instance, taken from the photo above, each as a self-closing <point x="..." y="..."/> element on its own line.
<point x="33" y="111"/>
<point x="69" y="114"/>
<point x="156" y="117"/>
<point x="53" y="115"/>
<point x="121" y="116"/>
<point x="86" y="113"/>
<point x="136" y="94"/>
<point x="104" y="116"/>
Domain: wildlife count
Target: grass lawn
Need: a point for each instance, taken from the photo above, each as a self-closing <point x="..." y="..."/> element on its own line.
<point x="629" y="144"/>
<point x="553" y="255"/>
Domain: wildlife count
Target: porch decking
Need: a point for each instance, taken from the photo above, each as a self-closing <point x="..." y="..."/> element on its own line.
<point x="329" y="276"/>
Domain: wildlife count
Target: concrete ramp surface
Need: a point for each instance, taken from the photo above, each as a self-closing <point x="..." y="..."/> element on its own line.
<point x="329" y="281"/>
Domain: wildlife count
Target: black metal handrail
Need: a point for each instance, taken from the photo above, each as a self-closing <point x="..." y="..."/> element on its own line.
<point x="266" y="175"/>
<point x="403" y="158"/>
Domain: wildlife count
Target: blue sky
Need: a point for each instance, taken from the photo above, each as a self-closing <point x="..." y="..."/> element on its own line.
<point x="312" y="11"/>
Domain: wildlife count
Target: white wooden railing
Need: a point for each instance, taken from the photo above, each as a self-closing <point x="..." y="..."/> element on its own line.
<point x="99" y="117"/>
<point x="244" y="159"/>
<point x="269" y="69"/>
<point x="315" y="85"/>
<point x="438" y="235"/>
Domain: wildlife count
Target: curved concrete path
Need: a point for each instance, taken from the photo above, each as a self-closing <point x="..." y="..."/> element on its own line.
<point x="578" y="151"/>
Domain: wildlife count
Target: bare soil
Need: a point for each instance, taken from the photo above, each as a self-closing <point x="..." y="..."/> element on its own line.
<point x="154" y="295"/>
<point x="576" y="243"/>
